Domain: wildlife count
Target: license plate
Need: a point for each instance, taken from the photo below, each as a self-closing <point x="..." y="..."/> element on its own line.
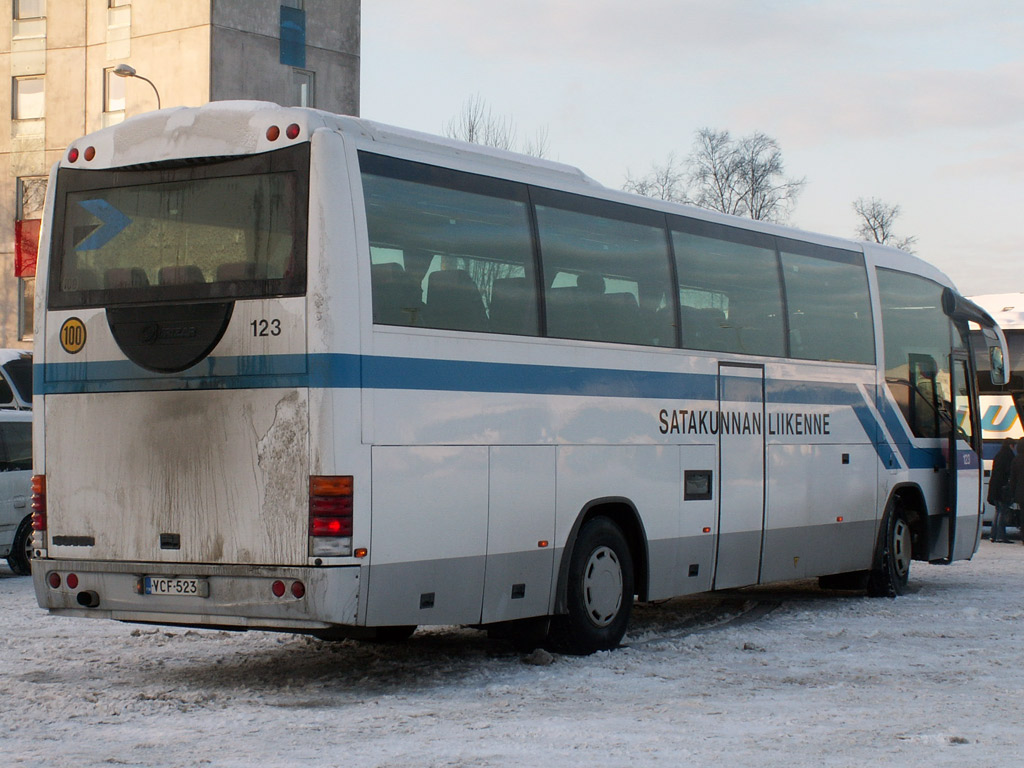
<point x="178" y="586"/>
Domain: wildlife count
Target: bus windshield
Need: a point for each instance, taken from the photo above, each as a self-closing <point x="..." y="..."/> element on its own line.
<point x="223" y="230"/>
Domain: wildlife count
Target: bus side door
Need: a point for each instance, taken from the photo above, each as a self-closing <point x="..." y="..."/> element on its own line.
<point x="741" y="475"/>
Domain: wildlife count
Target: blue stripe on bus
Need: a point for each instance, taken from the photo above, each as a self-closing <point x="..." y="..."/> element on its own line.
<point x="346" y="371"/>
<point x="340" y="371"/>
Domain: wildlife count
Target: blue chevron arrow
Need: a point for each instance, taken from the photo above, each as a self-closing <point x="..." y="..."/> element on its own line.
<point x="114" y="222"/>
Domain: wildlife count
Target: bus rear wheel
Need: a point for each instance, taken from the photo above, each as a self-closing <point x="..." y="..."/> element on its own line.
<point x="599" y="592"/>
<point x="891" y="573"/>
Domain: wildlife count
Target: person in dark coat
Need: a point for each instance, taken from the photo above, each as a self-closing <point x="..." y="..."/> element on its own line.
<point x="999" y="489"/>
<point x="1017" y="480"/>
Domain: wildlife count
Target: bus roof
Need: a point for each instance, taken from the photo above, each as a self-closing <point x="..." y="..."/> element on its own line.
<point x="230" y="128"/>
<point x="1006" y="308"/>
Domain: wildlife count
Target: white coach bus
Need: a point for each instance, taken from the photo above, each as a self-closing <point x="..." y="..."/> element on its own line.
<point x="303" y="372"/>
<point x="999" y="406"/>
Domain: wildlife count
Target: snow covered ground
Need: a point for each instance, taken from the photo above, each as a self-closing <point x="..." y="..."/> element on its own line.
<point x="805" y="678"/>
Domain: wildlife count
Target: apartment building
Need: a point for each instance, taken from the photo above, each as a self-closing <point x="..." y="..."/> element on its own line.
<point x="79" y="65"/>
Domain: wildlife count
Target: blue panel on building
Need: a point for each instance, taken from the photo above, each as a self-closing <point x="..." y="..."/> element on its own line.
<point x="293" y="37"/>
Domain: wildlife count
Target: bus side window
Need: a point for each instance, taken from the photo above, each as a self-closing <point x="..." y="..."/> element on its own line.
<point x="457" y="237"/>
<point x="609" y="266"/>
<point x="729" y="289"/>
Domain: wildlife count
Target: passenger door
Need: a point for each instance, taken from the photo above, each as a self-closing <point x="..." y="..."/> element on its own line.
<point x="964" y="471"/>
<point x="741" y="475"/>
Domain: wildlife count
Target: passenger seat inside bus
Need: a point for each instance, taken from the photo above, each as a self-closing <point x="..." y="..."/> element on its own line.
<point x="186" y="274"/>
<point x="125" y="277"/>
<point x="234" y="271"/>
<point x="454" y="301"/>
<point x="620" y="319"/>
<point x="396" y="297"/>
<point x="570" y="314"/>
<point x="512" y="307"/>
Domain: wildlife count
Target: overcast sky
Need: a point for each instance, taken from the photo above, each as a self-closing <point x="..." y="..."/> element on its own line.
<point x="920" y="102"/>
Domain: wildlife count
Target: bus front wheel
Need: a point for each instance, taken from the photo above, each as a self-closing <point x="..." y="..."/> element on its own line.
<point x="891" y="571"/>
<point x="599" y="591"/>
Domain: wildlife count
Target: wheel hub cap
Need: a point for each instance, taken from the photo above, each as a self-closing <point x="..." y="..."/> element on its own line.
<point x="602" y="586"/>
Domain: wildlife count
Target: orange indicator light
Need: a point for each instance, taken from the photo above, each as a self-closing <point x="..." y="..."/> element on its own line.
<point x="542" y="543"/>
<point x="361" y="552"/>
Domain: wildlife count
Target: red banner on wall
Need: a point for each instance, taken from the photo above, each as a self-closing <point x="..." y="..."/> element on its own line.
<point x="26" y="247"/>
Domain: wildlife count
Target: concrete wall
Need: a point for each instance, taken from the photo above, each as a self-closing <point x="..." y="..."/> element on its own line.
<point x="246" y="53"/>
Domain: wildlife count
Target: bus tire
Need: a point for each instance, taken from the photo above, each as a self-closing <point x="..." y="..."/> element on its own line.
<point x="599" y="591"/>
<point x="20" y="557"/>
<point x="891" y="571"/>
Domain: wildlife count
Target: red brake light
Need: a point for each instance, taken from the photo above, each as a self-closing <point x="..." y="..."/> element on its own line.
<point x="330" y="505"/>
<point x="73" y="155"/>
<point x="39" y="502"/>
<point x="292" y="131"/>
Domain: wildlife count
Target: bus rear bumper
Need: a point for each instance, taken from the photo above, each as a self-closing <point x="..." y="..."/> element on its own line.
<point x="292" y="599"/>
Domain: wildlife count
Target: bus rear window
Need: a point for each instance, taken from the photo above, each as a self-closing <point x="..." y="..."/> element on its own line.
<point x="225" y="230"/>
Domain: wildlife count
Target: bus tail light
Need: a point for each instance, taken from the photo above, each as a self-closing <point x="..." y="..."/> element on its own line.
<point x="330" y="515"/>
<point x="39" y="502"/>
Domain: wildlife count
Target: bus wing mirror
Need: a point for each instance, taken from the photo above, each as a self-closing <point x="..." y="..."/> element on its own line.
<point x="997" y="366"/>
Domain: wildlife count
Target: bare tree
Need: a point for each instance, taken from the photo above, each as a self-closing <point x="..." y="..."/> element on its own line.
<point x="664" y="182"/>
<point x="876" y="223"/>
<point x="743" y="177"/>
<point x="767" y="194"/>
<point x="713" y="166"/>
<point x="539" y="145"/>
<point x="477" y="123"/>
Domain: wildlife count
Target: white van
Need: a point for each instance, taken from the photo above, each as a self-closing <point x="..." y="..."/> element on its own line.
<point x="16" y="489"/>
<point x="16" y="379"/>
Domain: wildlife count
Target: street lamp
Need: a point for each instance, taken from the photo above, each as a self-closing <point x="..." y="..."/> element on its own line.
<point x="125" y="70"/>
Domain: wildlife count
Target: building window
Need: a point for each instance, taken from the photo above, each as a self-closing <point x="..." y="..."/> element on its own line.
<point x="303" y="88"/>
<point x="29" y="9"/>
<point x="293" y="37"/>
<point x="31" y="197"/>
<point x="29" y="98"/>
<point x="26" y="307"/>
<point x="113" y="91"/>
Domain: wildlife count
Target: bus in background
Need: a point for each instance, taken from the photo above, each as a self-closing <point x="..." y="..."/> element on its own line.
<point x="304" y="372"/>
<point x="999" y="405"/>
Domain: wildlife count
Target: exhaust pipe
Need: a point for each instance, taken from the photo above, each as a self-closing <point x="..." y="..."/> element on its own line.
<point x="88" y="599"/>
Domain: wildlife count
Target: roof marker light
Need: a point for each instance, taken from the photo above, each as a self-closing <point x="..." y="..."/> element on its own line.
<point x="90" y="153"/>
<point x="273" y="133"/>
<point x="292" y="131"/>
